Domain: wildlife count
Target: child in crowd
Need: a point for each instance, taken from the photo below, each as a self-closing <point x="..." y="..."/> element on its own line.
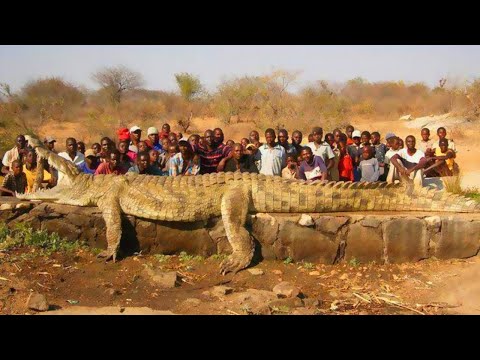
<point x="349" y="130"/>
<point x="442" y="134"/>
<point x="345" y="163"/>
<point x="380" y="151"/>
<point x="369" y="167"/>
<point x="394" y="144"/>
<point x="426" y="144"/>
<point x="14" y="181"/>
<point x="291" y="170"/>
<point x="355" y="153"/>
<point x="365" y="138"/>
<point x="445" y="158"/>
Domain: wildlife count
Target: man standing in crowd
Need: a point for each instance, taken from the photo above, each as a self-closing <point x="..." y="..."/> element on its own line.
<point x="135" y="138"/>
<point x="153" y="139"/>
<point x="255" y="137"/>
<point x="297" y="138"/>
<point x="165" y="131"/>
<point x="211" y="154"/>
<point x="283" y="141"/>
<point x="237" y="160"/>
<point x="72" y="154"/>
<point x="321" y="148"/>
<point x="349" y="130"/>
<point x="16" y="153"/>
<point x="272" y="155"/>
<point x="112" y="166"/>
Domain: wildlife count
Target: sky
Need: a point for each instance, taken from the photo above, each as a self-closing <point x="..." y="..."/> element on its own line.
<point x="213" y="63"/>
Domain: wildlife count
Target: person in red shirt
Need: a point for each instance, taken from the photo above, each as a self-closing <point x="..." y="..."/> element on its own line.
<point x="165" y="132"/>
<point x="345" y="164"/>
<point x="349" y="130"/>
<point x="112" y="166"/>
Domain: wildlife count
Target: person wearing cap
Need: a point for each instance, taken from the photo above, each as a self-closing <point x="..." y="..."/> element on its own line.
<point x="389" y="138"/>
<point x="90" y="165"/>
<point x="355" y="153"/>
<point x="123" y="134"/>
<point x="135" y="136"/>
<point x="49" y="143"/>
<point x="153" y="140"/>
<point x="321" y="148"/>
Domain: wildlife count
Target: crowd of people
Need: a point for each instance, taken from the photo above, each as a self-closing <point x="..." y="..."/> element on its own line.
<point x="338" y="156"/>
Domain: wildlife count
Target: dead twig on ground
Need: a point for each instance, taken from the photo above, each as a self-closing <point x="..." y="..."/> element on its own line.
<point x="232" y="312"/>
<point x="43" y="286"/>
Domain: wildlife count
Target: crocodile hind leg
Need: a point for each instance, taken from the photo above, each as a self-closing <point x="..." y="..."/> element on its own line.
<point x="110" y="207"/>
<point x="234" y="209"/>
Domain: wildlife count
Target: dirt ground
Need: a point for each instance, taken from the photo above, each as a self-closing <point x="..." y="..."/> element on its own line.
<point x="78" y="282"/>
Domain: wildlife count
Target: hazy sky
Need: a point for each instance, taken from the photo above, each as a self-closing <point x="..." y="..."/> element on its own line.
<point x="19" y="64"/>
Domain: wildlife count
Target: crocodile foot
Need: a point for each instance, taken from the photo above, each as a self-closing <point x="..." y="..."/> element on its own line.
<point x="234" y="263"/>
<point x="108" y="255"/>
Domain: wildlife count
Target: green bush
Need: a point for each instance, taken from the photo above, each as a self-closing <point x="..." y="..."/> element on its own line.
<point x="22" y="235"/>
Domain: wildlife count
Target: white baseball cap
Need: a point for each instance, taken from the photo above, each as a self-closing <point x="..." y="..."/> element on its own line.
<point x="134" y="128"/>
<point x="356" y="133"/>
<point x="152" y="130"/>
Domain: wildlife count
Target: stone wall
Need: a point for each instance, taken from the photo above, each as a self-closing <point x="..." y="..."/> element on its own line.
<point x="386" y="237"/>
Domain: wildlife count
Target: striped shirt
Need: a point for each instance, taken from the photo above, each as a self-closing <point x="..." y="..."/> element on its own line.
<point x="14" y="183"/>
<point x="209" y="160"/>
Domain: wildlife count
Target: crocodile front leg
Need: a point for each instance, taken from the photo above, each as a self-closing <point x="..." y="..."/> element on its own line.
<point x="234" y="209"/>
<point x="111" y="212"/>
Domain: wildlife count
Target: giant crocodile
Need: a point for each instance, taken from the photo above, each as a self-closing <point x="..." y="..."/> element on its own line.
<point x="231" y="196"/>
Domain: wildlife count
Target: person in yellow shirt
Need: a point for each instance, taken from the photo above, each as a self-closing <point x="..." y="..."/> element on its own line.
<point x="446" y="155"/>
<point x="31" y="171"/>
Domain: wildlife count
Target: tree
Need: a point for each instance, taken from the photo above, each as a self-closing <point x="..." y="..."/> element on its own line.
<point x="5" y="90"/>
<point x="116" y="80"/>
<point x="189" y="85"/>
